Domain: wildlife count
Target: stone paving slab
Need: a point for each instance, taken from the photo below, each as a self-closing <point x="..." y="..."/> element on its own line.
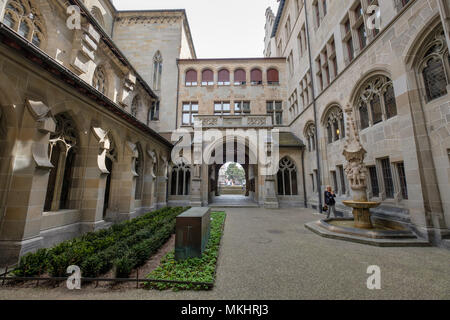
<point x="269" y="254"/>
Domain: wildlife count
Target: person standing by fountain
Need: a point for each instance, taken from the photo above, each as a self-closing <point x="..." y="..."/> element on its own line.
<point x="330" y="202"/>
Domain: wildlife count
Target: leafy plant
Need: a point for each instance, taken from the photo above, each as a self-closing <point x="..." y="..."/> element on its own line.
<point x="95" y="252"/>
<point x="191" y="270"/>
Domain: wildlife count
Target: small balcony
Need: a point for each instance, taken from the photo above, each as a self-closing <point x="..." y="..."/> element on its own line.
<point x="235" y="121"/>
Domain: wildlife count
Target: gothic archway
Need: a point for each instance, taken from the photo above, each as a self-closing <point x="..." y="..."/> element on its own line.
<point x="63" y="149"/>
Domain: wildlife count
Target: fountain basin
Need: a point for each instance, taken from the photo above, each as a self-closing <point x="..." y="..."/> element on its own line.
<point x="383" y="233"/>
<point x="361" y="212"/>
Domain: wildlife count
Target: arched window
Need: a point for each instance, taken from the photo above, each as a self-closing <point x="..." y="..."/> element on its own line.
<point x="181" y="180"/>
<point x="335" y="124"/>
<point x="376" y="101"/>
<point x="310" y="135"/>
<point x="389" y="102"/>
<point x="139" y="169"/>
<point x="435" y="66"/>
<point x="153" y="112"/>
<point x="256" y="77"/>
<point x="240" y="77"/>
<point x="287" y="178"/>
<point x="99" y="80"/>
<point x="26" y="20"/>
<point x="97" y="14"/>
<point x="224" y="77"/>
<point x="207" y="77"/>
<point x="157" y="70"/>
<point x="135" y="106"/>
<point x="273" y="76"/>
<point x="364" y="116"/>
<point x="62" y="154"/>
<point x="191" y="78"/>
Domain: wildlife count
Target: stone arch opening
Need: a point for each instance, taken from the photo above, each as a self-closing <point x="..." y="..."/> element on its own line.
<point x="110" y="161"/>
<point x="63" y="150"/>
<point x="232" y="179"/>
<point x="232" y="149"/>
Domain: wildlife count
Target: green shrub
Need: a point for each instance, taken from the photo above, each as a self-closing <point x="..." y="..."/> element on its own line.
<point x="191" y="270"/>
<point x="124" y="266"/>
<point x="32" y="263"/>
<point x="95" y="252"/>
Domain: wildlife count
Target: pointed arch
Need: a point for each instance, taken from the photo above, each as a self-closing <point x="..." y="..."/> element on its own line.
<point x="98" y="15"/>
<point x="375" y="100"/>
<point x="157" y="70"/>
<point x="433" y="65"/>
<point x="334" y="123"/>
<point x="24" y="17"/>
<point x="99" y="79"/>
<point x="287" y="178"/>
<point x="180" y="179"/>
<point x="310" y="135"/>
<point x="63" y="150"/>
<point x="139" y="170"/>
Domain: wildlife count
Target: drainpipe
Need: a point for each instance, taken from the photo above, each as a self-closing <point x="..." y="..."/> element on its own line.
<point x="319" y="185"/>
<point x="304" y="180"/>
<point x="178" y="94"/>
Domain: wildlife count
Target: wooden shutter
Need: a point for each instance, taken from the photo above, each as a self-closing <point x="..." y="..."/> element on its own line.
<point x="272" y="75"/>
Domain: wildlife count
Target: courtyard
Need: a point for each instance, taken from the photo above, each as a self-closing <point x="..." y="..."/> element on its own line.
<point x="269" y="254"/>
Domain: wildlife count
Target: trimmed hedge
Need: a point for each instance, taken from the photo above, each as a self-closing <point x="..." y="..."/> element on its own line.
<point x="97" y="252"/>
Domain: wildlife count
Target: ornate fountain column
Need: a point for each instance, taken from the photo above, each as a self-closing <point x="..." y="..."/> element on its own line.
<point x="356" y="173"/>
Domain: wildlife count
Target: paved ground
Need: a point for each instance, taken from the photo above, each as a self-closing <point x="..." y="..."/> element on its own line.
<point x="268" y="254"/>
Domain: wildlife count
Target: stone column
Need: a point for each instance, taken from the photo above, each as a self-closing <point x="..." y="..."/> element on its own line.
<point x="162" y="182"/>
<point x="270" y="197"/>
<point x="127" y="184"/>
<point x="149" y="196"/>
<point x="21" y="224"/>
<point x="196" y="182"/>
<point x="95" y="178"/>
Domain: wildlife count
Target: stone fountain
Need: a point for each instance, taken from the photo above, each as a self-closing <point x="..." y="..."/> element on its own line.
<point x="356" y="173"/>
<point x="362" y="228"/>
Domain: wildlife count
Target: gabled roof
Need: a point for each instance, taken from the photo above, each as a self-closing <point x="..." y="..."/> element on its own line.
<point x="278" y="17"/>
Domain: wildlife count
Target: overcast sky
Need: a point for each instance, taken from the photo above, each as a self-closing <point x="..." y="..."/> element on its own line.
<point x="220" y="28"/>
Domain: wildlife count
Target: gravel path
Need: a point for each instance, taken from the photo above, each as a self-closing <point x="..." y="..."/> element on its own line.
<point x="268" y="254"/>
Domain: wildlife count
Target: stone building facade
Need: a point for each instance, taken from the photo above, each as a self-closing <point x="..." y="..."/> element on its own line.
<point x="77" y="151"/>
<point x="238" y="98"/>
<point x="395" y="77"/>
<point x="88" y="111"/>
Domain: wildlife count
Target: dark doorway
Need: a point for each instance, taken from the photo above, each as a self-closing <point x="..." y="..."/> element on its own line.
<point x="109" y="166"/>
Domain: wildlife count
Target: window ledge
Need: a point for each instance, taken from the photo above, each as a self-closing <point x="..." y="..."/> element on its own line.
<point x="59" y="212"/>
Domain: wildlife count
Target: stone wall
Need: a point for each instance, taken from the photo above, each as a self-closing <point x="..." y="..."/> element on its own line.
<point x="417" y="136"/>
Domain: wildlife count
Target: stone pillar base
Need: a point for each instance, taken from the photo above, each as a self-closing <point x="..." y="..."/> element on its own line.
<point x="161" y="205"/>
<point x="11" y="251"/>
